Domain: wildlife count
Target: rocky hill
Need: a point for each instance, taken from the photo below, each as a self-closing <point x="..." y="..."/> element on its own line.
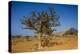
<point x="68" y="31"/>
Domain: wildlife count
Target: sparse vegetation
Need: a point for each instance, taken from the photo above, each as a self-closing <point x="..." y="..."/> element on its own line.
<point x="57" y="43"/>
<point x="44" y="40"/>
<point x="43" y="21"/>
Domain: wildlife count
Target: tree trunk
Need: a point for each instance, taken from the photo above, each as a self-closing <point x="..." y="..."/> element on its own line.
<point x="39" y="37"/>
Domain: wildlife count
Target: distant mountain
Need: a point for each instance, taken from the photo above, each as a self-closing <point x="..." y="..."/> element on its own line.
<point x="71" y="31"/>
<point x="68" y="31"/>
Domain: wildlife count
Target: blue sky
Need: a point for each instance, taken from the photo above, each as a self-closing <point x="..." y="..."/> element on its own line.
<point x="68" y="16"/>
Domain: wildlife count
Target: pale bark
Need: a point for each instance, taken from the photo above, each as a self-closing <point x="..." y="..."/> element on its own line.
<point x="39" y="38"/>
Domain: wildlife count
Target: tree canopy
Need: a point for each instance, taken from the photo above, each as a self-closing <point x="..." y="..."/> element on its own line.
<point x="42" y="22"/>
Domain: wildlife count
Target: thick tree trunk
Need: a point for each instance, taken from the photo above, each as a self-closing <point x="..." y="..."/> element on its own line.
<point x="39" y="37"/>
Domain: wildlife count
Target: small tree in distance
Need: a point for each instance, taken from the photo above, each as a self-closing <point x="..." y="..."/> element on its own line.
<point x="42" y="22"/>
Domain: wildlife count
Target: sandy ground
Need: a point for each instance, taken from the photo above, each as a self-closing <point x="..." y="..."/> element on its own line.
<point x="58" y="43"/>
